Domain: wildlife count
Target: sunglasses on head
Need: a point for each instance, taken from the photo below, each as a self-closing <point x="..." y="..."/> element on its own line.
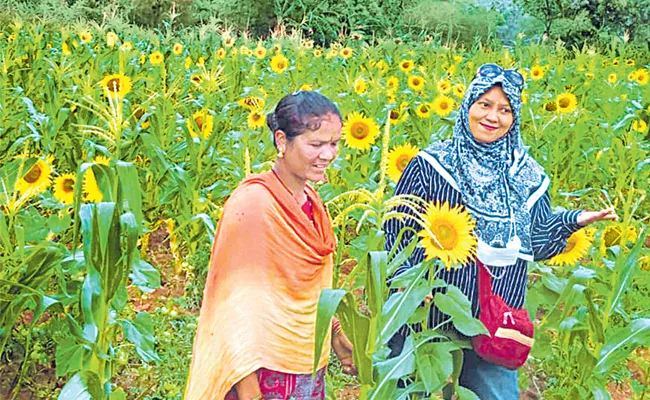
<point x="493" y="70"/>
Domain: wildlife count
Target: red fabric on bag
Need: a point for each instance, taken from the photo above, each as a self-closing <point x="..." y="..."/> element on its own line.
<point x="495" y="314"/>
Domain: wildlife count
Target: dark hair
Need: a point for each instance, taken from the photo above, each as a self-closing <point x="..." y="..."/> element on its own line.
<point x="299" y="112"/>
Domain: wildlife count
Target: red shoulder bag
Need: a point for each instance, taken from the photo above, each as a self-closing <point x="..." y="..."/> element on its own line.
<point x="511" y="330"/>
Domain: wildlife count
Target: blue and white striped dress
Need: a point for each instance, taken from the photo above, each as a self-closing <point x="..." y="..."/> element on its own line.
<point x="549" y="234"/>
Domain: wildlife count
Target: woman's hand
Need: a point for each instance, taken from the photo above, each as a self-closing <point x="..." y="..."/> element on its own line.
<point x="343" y="349"/>
<point x="589" y="217"/>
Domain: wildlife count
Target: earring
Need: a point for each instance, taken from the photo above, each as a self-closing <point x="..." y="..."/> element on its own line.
<point x="280" y="154"/>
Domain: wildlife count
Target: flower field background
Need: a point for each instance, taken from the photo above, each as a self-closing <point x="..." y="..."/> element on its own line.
<point x="118" y="150"/>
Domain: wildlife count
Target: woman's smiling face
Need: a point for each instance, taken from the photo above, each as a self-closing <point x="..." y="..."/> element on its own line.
<point x="490" y="117"/>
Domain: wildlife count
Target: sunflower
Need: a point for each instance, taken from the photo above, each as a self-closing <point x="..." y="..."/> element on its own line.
<point x="221" y="53"/>
<point x="550" y="106"/>
<point x="228" y="41"/>
<point x="577" y="247"/>
<point x="639" y="125"/>
<point x="448" y="234"/>
<point x="111" y="39"/>
<point x="318" y="53"/>
<point x="252" y="103"/>
<point x="279" y="63"/>
<point x="566" y="102"/>
<point x="398" y="159"/>
<point x="398" y="115"/>
<point x="203" y="121"/>
<point x="416" y="82"/>
<point x="65" y="49"/>
<point x="196" y="79"/>
<point x="86" y="37"/>
<point x="360" y="86"/>
<point x="443" y="105"/>
<point x="126" y="46"/>
<point x="102" y="160"/>
<point x="331" y="53"/>
<point x="444" y="86"/>
<point x="245" y="51"/>
<point x="256" y="119"/>
<point x="423" y="110"/>
<point x="458" y="90"/>
<point x="524" y="97"/>
<point x="406" y="65"/>
<point x="36" y="179"/>
<point x="523" y="73"/>
<point x="346" y="53"/>
<point x="631" y="76"/>
<point x="612" y="78"/>
<point x="642" y="76"/>
<point x="116" y="85"/>
<point x="64" y="188"/>
<point x="91" y="189"/>
<point x="630" y="62"/>
<point x="360" y="131"/>
<point x="382" y="66"/>
<point x="177" y="49"/>
<point x="615" y="62"/>
<point x="260" y="51"/>
<point x="156" y="58"/>
<point x="392" y="84"/>
<point x="613" y="236"/>
<point x="307" y="44"/>
<point x="306" y="87"/>
<point x="138" y="114"/>
<point x="536" y="72"/>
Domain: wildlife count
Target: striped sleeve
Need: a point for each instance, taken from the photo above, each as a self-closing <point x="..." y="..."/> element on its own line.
<point x="550" y="231"/>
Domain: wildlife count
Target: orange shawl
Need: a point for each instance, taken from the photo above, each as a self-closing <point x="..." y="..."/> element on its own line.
<point x="267" y="269"/>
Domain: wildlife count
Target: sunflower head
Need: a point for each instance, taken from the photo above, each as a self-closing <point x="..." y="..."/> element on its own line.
<point x="36" y="178"/>
<point x="346" y="53"/>
<point x="156" y="58"/>
<point x="537" y="72"/>
<point x="612" y="78"/>
<point x="91" y="190"/>
<point x="642" y="76"/>
<point x="256" y="119"/>
<point x="64" y="188"/>
<point x="279" y="63"/>
<point x="111" y="39"/>
<point x="566" y="103"/>
<point x="444" y="86"/>
<point x="398" y="159"/>
<point x="201" y="124"/>
<point x="360" y="131"/>
<point x="443" y="105"/>
<point x="260" y="51"/>
<point x="416" y="82"/>
<point x="639" y="125"/>
<point x="448" y="234"/>
<point x="86" y="36"/>
<point x="392" y="84"/>
<point x="577" y="246"/>
<point x="116" y="85"/>
<point x="177" y="49"/>
<point x="423" y="110"/>
<point x="360" y="86"/>
<point x="406" y="65"/>
<point x="251" y="103"/>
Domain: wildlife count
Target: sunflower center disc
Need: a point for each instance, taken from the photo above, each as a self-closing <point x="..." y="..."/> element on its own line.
<point x="113" y="85"/>
<point x="402" y="162"/>
<point x="33" y="174"/>
<point x="359" y="131"/>
<point x="447" y="237"/>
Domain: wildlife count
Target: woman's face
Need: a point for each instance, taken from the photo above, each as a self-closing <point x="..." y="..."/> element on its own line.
<point x="490" y="117"/>
<point x="308" y="155"/>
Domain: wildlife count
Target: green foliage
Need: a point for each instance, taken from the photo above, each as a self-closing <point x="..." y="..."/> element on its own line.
<point x="592" y="21"/>
<point x="461" y="22"/>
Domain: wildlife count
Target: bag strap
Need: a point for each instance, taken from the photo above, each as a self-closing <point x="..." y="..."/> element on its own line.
<point x="484" y="283"/>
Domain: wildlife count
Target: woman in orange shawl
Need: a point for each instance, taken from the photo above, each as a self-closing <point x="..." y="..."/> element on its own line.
<point x="272" y="256"/>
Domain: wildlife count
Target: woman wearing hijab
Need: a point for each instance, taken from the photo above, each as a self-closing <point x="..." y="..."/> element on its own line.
<point x="272" y="256"/>
<point x="486" y="169"/>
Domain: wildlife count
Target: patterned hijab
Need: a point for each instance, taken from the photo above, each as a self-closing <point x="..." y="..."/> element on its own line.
<point x="499" y="182"/>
